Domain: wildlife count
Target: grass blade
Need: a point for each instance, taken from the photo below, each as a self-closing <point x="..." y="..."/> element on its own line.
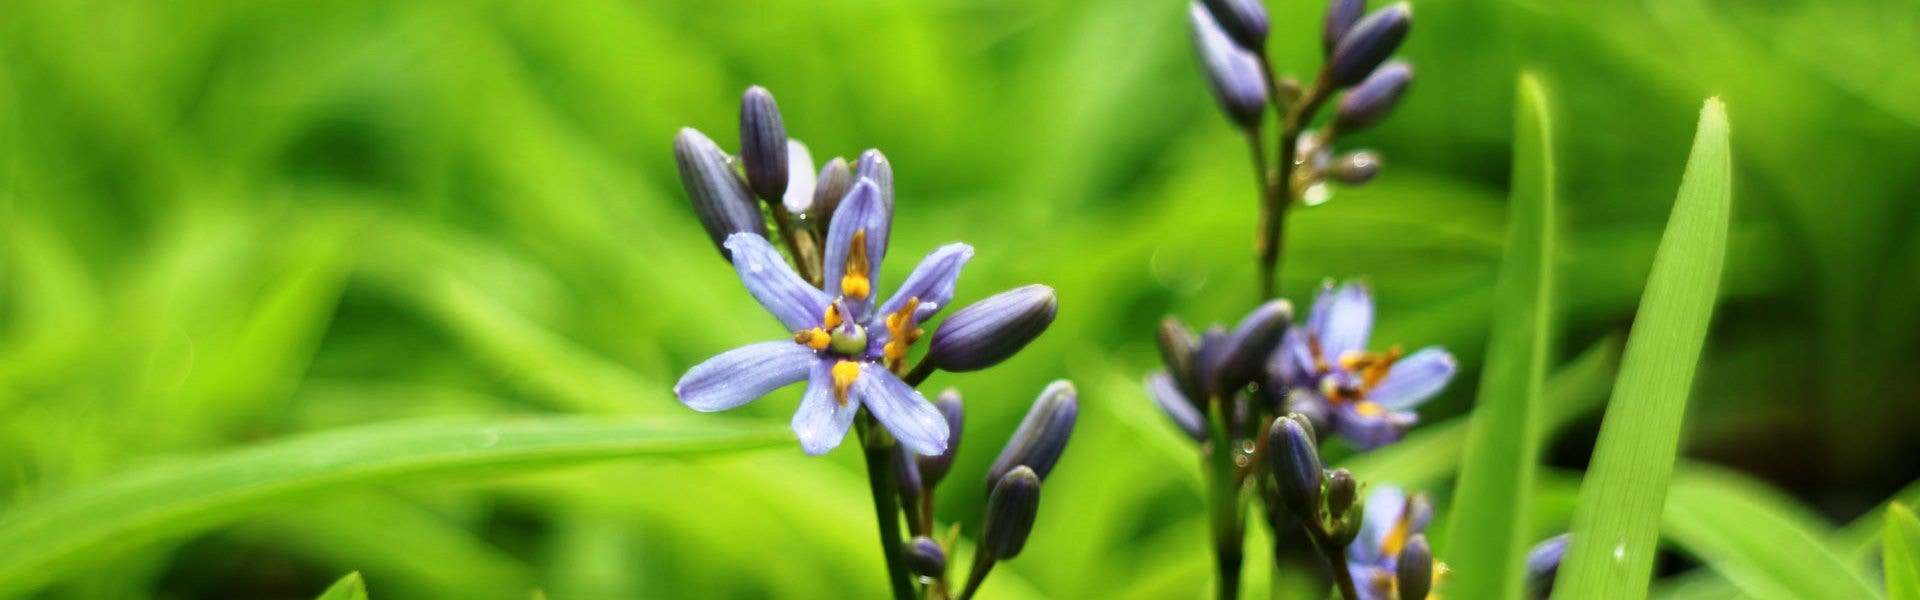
<point x="59" y="535"/>
<point x="1763" y="541"/>
<point x="1900" y="554"/>
<point x="350" y="587"/>
<point x="1492" y="501"/>
<point x="1617" y="523"/>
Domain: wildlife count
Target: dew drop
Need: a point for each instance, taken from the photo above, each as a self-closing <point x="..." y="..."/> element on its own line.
<point x="1317" y="194"/>
<point x="1620" y="551"/>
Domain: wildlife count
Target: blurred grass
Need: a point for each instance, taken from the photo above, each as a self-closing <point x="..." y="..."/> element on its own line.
<point x="226" y="222"/>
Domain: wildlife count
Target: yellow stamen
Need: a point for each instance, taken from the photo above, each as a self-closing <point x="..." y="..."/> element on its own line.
<point x="844" y="374"/>
<point x="1377" y="366"/>
<point x="815" y="338"/>
<point x="855" y="284"/>
<point x="1369" y="409"/>
<point x="900" y="324"/>
<point x="832" y="318"/>
<point x="1396" y="538"/>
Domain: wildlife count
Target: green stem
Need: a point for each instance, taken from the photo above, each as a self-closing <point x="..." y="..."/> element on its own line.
<point x="1224" y="497"/>
<point x="886" y="504"/>
<point x="982" y="564"/>
<point x="1336" y="559"/>
<point x="1274" y="216"/>
<point x="799" y="242"/>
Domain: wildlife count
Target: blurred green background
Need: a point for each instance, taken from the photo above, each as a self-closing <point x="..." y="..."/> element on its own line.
<point x="227" y="222"/>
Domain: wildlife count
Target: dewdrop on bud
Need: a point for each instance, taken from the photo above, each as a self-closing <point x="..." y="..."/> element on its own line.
<point x="763" y="144"/>
<point x="992" y="330"/>
<point x="1355" y="168"/>
<point x="1372" y="100"/>
<point x="720" y="198"/>
<point x="1368" y="43"/>
<point x="1011" y="507"/>
<point x="1042" y="435"/>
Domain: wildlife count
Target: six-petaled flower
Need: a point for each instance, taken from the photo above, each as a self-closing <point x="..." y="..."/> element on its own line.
<point x="1366" y="397"/>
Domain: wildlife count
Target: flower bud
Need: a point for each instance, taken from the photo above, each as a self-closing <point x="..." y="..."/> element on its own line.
<point x="1042" y="435"/>
<point x="763" y="144"/>
<point x="800" y="178"/>
<point x="924" y="557"/>
<point x="1233" y="74"/>
<point x="1368" y="43"/>
<point x="906" y="476"/>
<point x="1355" y="168"/>
<point x="1177" y="348"/>
<point x="1011" y="507"/>
<point x="1341" y="15"/>
<point x="720" y="198"/>
<point x="1244" y="20"/>
<point x="1368" y="103"/>
<point x="991" y="330"/>
<point x="874" y="165"/>
<point x="1342" y="491"/>
<point x="1251" y="342"/>
<point x="829" y="188"/>
<point x="1543" y="564"/>
<point x="1167" y="394"/>
<point x="1295" y="461"/>
<point x="934" y="468"/>
<point x="1206" y="362"/>
<point x="1414" y="573"/>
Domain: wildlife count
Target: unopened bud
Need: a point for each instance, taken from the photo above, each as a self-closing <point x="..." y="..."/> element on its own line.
<point x="720" y="198"/>
<point x="1543" y="565"/>
<point x="934" y="468"/>
<point x="1414" y="573"/>
<point x="1342" y="491"/>
<point x="1250" y="343"/>
<point x="925" y="558"/>
<point x="1179" y="409"/>
<point x="1042" y="435"/>
<point x="1206" y="361"/>
<point x="1341" y="15"/>
<point x="1372" y="100"/>
<point x="1295" y="461"/>
<point x="1011" y="507"/>
<point x="1368" y="43"/>
<point x="992" y="330"/>
<point x="1233" y="73"/>
<point x="1244" y="20"/>
<point x="1355" y="168"/>
<point x="763" y="144"/>
<point x="1177" y="348"/>
<point x="800" y="178"/>
<point x="833" y="184"/>
<point x="874" y="165"/>
<point x="906" y="476"/>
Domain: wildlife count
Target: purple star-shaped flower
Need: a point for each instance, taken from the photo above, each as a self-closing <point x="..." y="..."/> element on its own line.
<point x="850" y="352"/>
<point x="1392" y="518"/>
<point x="1367" y="397"/>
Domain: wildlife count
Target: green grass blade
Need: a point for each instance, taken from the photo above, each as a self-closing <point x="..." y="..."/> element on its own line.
<point x="1492" y="501"/>
<point x="59" y="535"/>
<point x="1617" y="523"/>
<point x="1763" y="541"/>
<point x="1900" y="554"/>
<point x="350" y="587"/>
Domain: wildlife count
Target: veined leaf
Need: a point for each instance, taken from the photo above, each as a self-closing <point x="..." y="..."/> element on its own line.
<point x="350" y="587"/>
<point x="1617" y="525"/>
<point x="1900" y="554"/>
<point x="58" y="535"/>
<point x="1761" y="540"/>
<point x="1492" y="500"/>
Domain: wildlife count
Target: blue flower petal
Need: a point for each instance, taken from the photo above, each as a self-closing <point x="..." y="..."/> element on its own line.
<point x="1184" y="414"/>
<point x="932" y="282"/>
<point x="1384" y="505"/>
<point x="771" y="281"/>
<point x="822" y="422"/>
<point x="861" y="210"/>
<point x="1292" y="363"/>
<point x="743" y="374"/>
<point x="1414" y="379"/>
<point x="800" y="178"/>
<point x="902" y="410"/>
<point x="1349" y="321"/>
<point x="1367" y="432"/>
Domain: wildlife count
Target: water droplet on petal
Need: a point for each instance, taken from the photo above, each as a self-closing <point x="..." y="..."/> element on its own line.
<point x="1317" y="194"/>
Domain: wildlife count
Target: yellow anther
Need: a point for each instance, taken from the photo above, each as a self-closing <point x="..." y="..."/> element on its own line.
<point x="832" y="318"/>
<point x="1368" y="409"/>
<point x="904" y="333"/>
<point x="844" y="374"/>
<point x="815" y="338"/>
<point x="855" y="283"/>
<point x="894" y="351"/>
<point x="1396" y="538"/>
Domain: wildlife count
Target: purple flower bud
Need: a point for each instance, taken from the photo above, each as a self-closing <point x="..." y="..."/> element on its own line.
<point x="720" y="198"/>
<point x="1252" y="341"/>
<point x="1167" y="394"/>
<point x="1244" y="20"/>
<point x="1295" y="461"/>
<point x="1414" y="572"/>
<point x="1042" y="435"/>
<point x="906" y="476"/>
<point x="833" y="184"/>
<point x="1011" y="507"/>
<point x="1371" y="101"/>
<point x="991" y="330"/>
<point x="874" y="165"/>
<point x="1368" y="43"/>
<point x="1342" y="491"/>
<point x="925" y="558"/>
<point x="934" y="468"/>
<point x="1355" y="168"/>
<point x="1341" y="15"/>
<point x="1543" y="564"/>
<point x="1233" y="74"/>
<point x="1177" y="348"/>
<point x="763" y="144"/>
<point x="1206" y="362"/>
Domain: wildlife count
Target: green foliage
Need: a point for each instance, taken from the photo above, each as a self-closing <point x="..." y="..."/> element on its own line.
<point x="1900" y="554"/>
<point x="1769" y="545"/>
<point x="1492" y="501"/>
<point x="350" y="587"/>
<point x="1617" y="524"/>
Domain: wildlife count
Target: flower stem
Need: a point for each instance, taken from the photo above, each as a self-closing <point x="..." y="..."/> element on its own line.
<point x="886" y="505"/>
<point x="1336" y="558"/>
<point x="806" y="256"/>
<point x="982" y="564"/>
<point x="1273" y="216"/>
<point x="1224" y="506"/>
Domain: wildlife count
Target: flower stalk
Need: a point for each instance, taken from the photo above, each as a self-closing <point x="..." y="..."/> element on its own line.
<point x="879" y="450"/>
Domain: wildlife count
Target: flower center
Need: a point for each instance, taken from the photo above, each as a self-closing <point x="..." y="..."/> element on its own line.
<point x="1363" y="370"/>
<point x="848" y="340"/>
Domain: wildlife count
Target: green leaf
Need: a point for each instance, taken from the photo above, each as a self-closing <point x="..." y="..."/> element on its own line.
<point x="350" y="587"/>
<point x="1492" y="500"/>
<point x="59" y="535"/>
<point x="1900" y="554"/>
<point x="1766" y="543"/>
<point x="1615" y="528"/>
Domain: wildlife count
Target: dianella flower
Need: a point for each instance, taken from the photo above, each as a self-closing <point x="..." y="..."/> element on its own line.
<point x="1393" y="533"/>
<point x="847" y="343"/>
<point x="1366" y="397"/>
